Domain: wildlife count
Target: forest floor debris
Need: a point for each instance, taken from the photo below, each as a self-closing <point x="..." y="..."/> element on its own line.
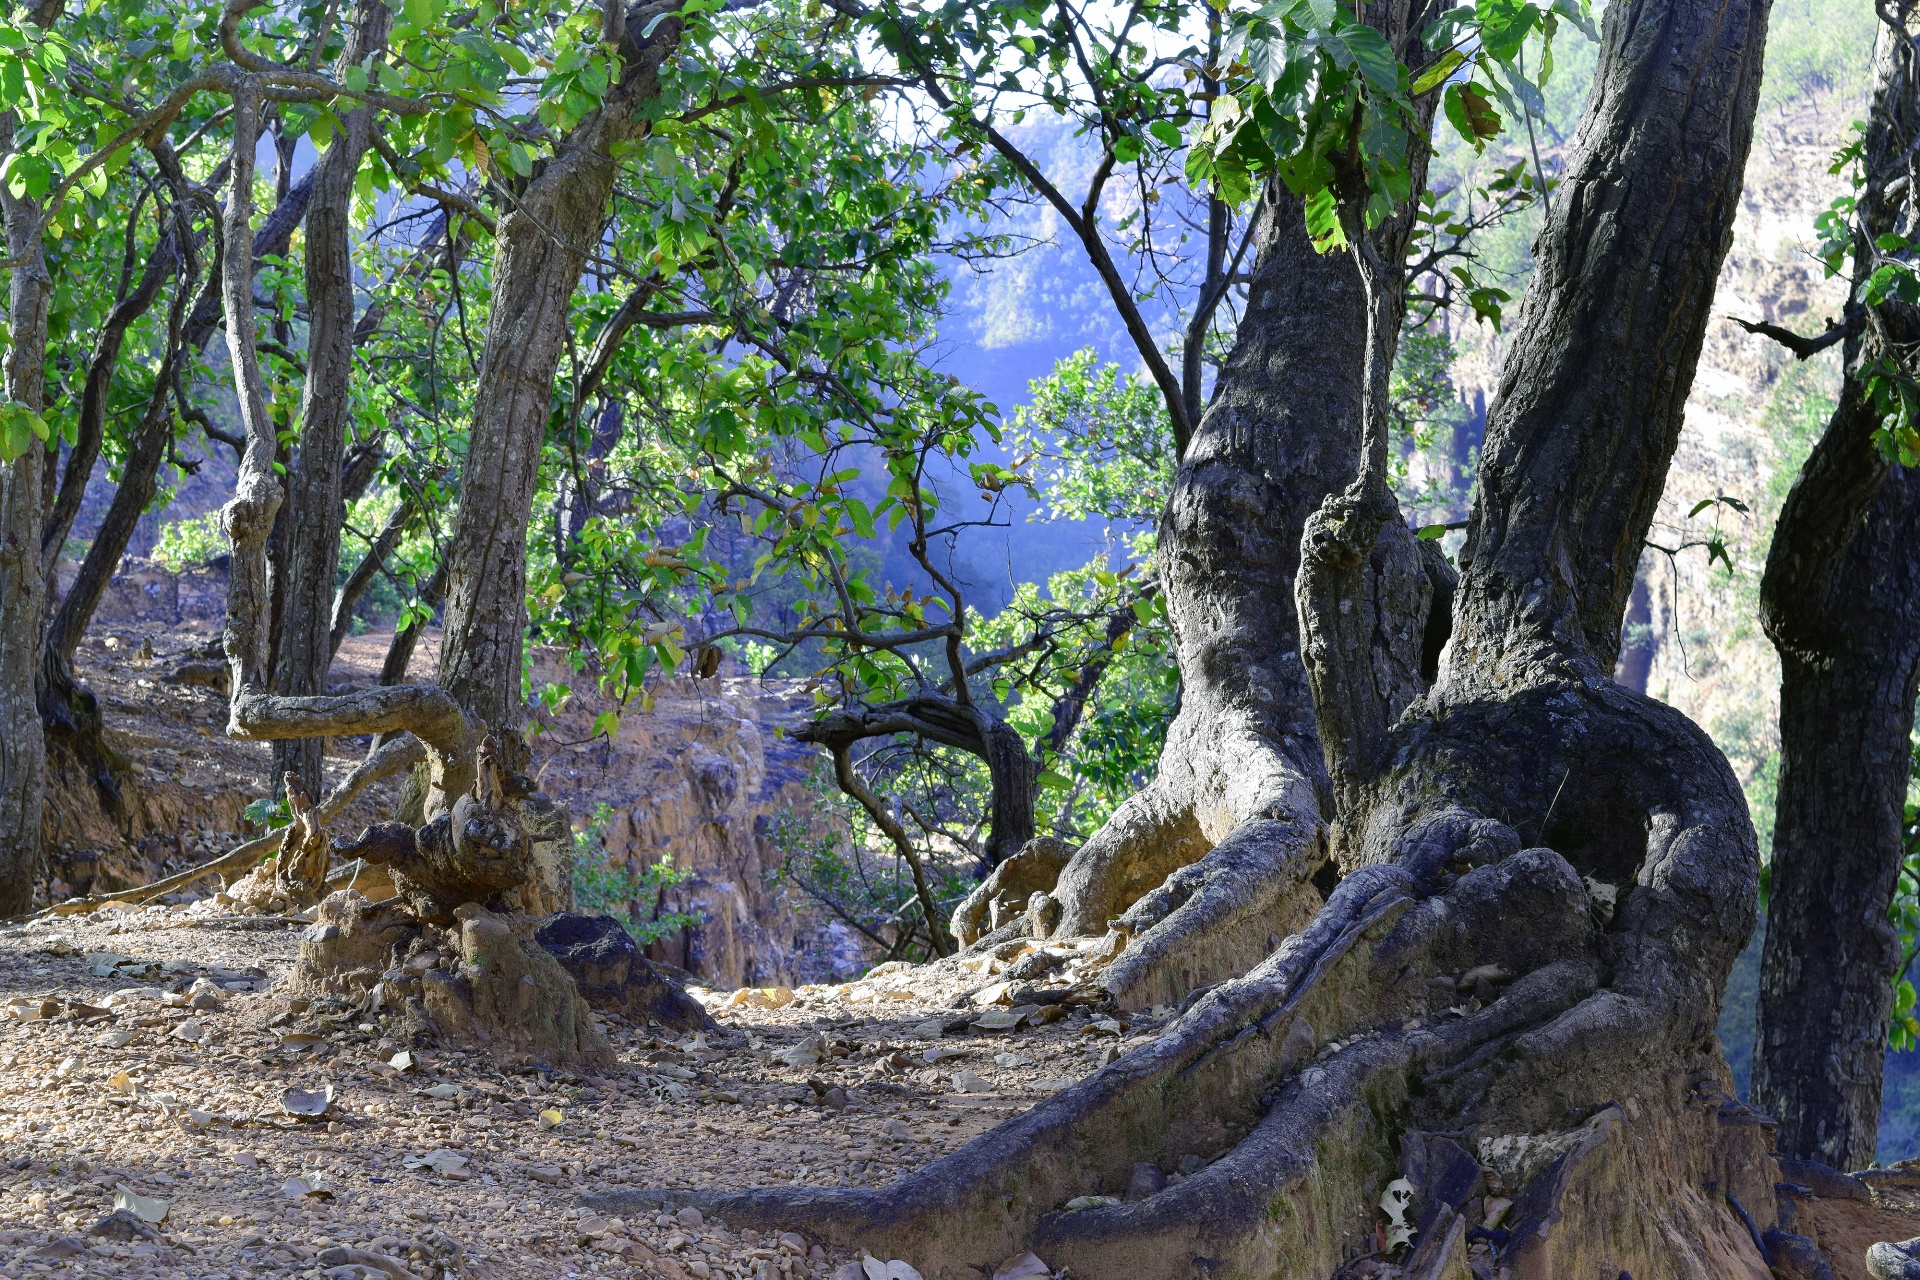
<point x="148" y="1066"/>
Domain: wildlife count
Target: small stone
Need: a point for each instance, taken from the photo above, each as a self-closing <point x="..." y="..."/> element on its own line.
<point x="546" y="1173"/>
<point x="690" y="1218"/>
<point x="58" y="1250"/>
<point x="1145" y="1180"/>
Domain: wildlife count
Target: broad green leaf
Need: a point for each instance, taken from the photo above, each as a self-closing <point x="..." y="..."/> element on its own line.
<point x="1436" y="75"/>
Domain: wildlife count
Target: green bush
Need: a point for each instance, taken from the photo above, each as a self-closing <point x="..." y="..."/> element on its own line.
<point x="187" y="544"/>
<point x="632" y="898"/>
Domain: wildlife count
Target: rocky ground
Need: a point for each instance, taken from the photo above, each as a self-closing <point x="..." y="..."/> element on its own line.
<point x="147" y="1061"/>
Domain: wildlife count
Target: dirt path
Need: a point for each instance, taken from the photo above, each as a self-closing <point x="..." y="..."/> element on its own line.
<point x="181" y="1104"/>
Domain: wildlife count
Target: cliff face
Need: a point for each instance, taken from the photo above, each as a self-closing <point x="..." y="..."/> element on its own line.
<point x="701" y="779"/>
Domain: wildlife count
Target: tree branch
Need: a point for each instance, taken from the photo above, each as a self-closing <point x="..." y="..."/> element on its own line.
<point x="843" y="772"/>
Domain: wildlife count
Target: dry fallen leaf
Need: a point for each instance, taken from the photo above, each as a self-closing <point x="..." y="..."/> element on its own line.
<point x="145" y="1208"/>
<point x="121" y="1082"/>
<point x="551" y="1118"/>
<point x="442" y="1092"/>
<point x="448" y="1164"/>
<point x="307" y="1184"/>
<point x="309" y="1104"/>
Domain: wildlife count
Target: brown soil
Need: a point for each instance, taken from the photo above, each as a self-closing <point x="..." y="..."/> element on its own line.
<point x="722" y="1111"/>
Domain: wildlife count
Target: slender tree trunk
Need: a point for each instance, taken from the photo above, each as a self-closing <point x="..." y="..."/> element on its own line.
<point x="1841" y="602"/>
<point x="540" y="249"/>
<point x="139" y="473"/>
<point x="91" y="430"/>
<point x="23" y="582"/>
<point x="305" y="647"/>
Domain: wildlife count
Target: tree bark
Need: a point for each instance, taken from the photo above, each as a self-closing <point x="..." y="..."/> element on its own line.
<point x="91" y="429"/>
<point x="1210" y="867"/>
<point x="1840" y="600"/>
<point x="1846" y="724"/>
<point x="1472" y="1014"/>
<point x="305" y="648"/>
<point x="23" y="582"/>
<point x="540" y="249"/>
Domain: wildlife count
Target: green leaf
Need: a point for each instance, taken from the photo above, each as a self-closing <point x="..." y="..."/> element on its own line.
<point x="1166" y="131"/>
<point x="1430" y="532"/>
<point x="1436" y="75"/>
<point x="1051" y="781"/>
<point x="1127" y="148"/>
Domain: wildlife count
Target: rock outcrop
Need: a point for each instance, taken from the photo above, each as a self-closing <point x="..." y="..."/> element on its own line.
<point x="703" y="778"/>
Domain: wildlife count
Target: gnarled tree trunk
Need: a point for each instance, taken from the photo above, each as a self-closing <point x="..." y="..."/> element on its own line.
<point x="1211" y="866"/>
<point x="1514" y="987"/>
<point x="1841" y="602"/>
<point x="540" y="249"/>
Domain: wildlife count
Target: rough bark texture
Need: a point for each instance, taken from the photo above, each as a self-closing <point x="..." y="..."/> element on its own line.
<point x="23" y="583"/>
<point x="539" y="251"/>
<point x="1463" y="999"/>
<point x="1210" y="867"/>
<point x="1841" y="601"/>
<point x="314" y="513"/>
<point x="1847" y="691"/>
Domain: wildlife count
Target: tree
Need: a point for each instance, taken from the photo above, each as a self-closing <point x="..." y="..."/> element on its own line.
<point x="1210" y="866"/>
<point x="22" y="581"/>
<point x="1546" y="876"/>
<point x="1838" y="600"/>
<point x="306" y="642"/>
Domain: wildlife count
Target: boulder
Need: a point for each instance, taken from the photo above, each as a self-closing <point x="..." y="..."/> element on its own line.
<point x="612" y="974"/>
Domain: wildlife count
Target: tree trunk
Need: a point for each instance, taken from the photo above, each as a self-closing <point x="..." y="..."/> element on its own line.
<point x="304" y="651"/>
<point x="1841" y="602"/>
<point x="1846" y="724"/>
<point x="161" y="265"/>
<point x="1464" y="1003"/>
<point x="1210" y="867"/>
<point x="943" y="720"/>
<point x="23" y="583"/>
<point x="540" y="249"/>
<point x="139" y="473"/>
